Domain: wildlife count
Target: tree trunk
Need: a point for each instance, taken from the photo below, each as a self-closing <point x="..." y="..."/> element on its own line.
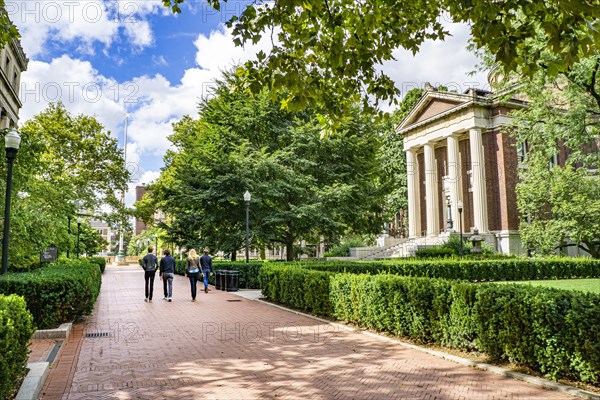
<point x="233" y="255"/>
<point x="289" y="249"/>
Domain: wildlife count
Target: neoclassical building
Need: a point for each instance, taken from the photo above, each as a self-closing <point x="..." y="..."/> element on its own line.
<point x="12" y="63"/>
<point x="457" y="151"/>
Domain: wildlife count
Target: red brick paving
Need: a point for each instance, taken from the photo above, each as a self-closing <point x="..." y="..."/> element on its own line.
<point x="219" y="349"/>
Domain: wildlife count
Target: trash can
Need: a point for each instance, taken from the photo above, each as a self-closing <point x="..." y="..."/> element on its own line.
<point x="218" y="280"/>
<point x="223" y="279"/>
<point x="232" y="281"/>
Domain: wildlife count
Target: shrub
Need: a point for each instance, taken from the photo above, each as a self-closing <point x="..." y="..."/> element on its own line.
<point x="57" y="293"/>
<point x="16" y="328"/>
<point x="301" y="288"/>
<point x="343" y="249"/>
<point x="474" y="270"/>
<point x="434" y="252"/>
<point x="101" y="261"/>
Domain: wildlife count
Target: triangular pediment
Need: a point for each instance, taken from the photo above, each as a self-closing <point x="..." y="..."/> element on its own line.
<point x="431" y="104"/>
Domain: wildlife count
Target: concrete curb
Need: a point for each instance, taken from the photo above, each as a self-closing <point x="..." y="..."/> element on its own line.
<point x="62" y="332"/>
<point x="33" y="382"/>
<point x="545" y="383"/>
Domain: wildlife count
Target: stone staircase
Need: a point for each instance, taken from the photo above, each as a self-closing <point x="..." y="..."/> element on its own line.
<point x="399" y="249"/>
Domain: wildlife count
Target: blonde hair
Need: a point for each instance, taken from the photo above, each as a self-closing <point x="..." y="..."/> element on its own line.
<point x="192" y="254"/>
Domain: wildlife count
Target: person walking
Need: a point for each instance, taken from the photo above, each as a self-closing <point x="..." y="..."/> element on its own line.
<point x="150" y="265"/>
<point x="167" y="273"/>
<point x="206" y="265"/>
<point x="192" y="270"/>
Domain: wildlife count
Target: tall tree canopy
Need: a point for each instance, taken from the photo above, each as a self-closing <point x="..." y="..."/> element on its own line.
<point x="560" y="204"/>
<point x="326" y="52"/>
<point x="303" y="186"/>
<point x="65" y="164"/>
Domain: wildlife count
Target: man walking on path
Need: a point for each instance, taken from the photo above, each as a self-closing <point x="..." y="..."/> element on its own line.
<point x="206" y="265"/>
<point x="167" y="273"/>
<point x="150" y="265"/>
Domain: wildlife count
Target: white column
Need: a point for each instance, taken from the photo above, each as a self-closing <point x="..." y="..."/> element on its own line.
<point x="413" y="199"/>
<point x="478" y="175"/>
<point x="454" y="178"/>
<point x="431" y="191"/>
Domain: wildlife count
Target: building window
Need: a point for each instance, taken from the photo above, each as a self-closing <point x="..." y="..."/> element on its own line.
<point x="521" y="152"/>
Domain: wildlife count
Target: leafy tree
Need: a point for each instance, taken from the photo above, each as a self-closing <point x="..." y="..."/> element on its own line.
<point x="91" y="241"/>
<point x="303" y="186"/>
<point x="326" y="53"/>
<point x="8" y="31"/>
<point x="559" y="203"/>
<point x="64" y="164"/>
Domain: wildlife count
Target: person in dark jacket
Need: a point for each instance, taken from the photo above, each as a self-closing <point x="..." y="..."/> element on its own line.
<point x="206" y="266"/>
<point x="167" y="273"/>
<point x="150" y="265"/>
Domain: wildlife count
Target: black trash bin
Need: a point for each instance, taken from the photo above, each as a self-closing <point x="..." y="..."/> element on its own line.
<point x="223" y="279"/>
<point x="232" y="281"/>
<point x="218" y="280"/>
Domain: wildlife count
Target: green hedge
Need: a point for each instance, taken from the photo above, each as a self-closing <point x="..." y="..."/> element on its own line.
<point x="554" y="331"/>
<point x="512" y="269"/>
<point x="304" y="289"/>
<point x="56" y="293"/>
<point x="16" y="328"/>
<point x="434" y="252"/>
<point x="101" y="261"/>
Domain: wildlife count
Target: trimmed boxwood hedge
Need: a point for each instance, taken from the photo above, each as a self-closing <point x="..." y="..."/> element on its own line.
<point x="101" y="261"/>
<point x="554" y="331"/>
<point x="57" y="293"/>
<point x="16" y="328"/>
<point x="510" y="269"/>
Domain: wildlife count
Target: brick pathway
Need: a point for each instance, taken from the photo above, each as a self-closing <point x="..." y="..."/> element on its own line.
<point x="226" y="347"/>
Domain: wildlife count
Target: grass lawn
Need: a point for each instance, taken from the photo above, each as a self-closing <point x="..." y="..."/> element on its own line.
<point x="586" y="285"/>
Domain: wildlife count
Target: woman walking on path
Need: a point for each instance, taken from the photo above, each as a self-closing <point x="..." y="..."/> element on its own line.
<point x="150" y="265"/>
<point x="192" y="270"/>
<point x="206" y="265"/>
<point x="167" y="273"/>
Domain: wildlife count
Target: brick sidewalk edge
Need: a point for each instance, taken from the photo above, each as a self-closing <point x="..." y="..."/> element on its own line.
<point x="545" y="383"/>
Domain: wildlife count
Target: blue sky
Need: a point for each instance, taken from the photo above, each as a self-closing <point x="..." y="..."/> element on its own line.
<point x="112" y="58"/>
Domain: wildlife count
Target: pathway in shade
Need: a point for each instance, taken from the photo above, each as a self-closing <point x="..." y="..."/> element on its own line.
<point x="227" y="347"/>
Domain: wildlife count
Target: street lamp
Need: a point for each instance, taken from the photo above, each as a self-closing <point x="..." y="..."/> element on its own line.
<point x="69" y="231"/>
<point x="12" y="140"/>
<point x="156" y="239"/>
<point x="247" y="200"/>
<point x="459" y="205"/>
<point x="79" y="222"/>
<point x="449" y="222"/>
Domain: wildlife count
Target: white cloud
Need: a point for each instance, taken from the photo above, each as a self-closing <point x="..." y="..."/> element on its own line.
<point x="86" y="21"/>
<point x="217" y="51"/>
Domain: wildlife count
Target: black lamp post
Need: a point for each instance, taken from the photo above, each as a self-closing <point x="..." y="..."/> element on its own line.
<point x="69" y="231"/>
<point x="449" y="222"/>
<point x="156" y="239"/>
<point x="79" y="221"/>
<point x="12" y="140"/>
<point x="459" y="205"/>
<point x="247" y="200"/>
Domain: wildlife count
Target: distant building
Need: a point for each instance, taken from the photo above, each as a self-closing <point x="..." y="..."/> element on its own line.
<point x="107" y="234"/>
<point x="457" y="151"/>
<point x="12" y="63"/>
<point x="159" y="216"/>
